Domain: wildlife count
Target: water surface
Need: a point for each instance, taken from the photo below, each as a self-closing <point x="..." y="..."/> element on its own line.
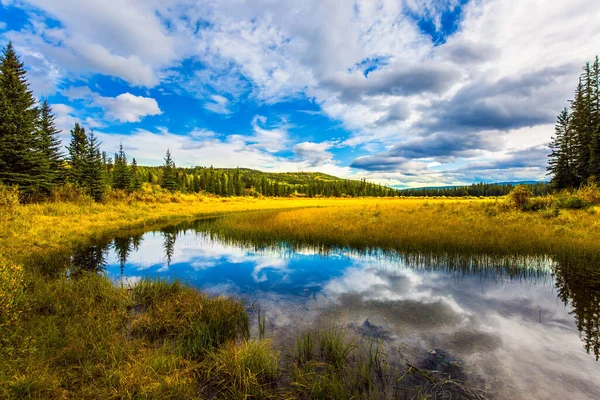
<point x="529" y="332"/>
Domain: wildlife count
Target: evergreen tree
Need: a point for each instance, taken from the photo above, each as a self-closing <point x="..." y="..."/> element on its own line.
<point x="595" y="120"/>
<point x="50" y="143"/>
<point x="581" y="138"/>
<point x="136" y="182"/>
<point x="22" y="162"/>
<point x="77" y="155"/>
<point x="94" y="168"/>
<point x="121" y="174"/>
<point x="168" y="173"/>
<point x="559" y="159"/>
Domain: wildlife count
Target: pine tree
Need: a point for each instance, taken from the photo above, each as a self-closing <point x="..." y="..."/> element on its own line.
<point x="22" y="162"/>
<point x="559" y="162"/>
<point x="94" y="168"/>
<point x="595" y="120"/>
<point x="581" y="138"/>
<point x="77" y="155"/>
<point x="136" y="182"/>
<point x="50" y="143"/>
<point x="121" y="174"/>
<point x="168" y="173"/>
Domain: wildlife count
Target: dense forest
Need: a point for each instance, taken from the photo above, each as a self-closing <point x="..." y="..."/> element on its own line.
<point x="575" y="147"/>
<point x="477" y="189"/>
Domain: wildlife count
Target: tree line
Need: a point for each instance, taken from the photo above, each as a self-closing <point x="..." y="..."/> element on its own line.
<point x="477" y="189"/>
<point x="575" y="147"/>
<point x="32" y="159"/>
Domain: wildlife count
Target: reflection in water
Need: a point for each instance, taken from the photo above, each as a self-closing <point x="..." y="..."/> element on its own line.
<point x="502" y="324"/>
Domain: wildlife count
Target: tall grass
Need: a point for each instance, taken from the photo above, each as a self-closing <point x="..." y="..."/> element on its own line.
<point x="470" y="232"/>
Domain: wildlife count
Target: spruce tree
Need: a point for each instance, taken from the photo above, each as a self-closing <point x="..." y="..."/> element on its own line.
<point x="168" y="173"/>
<point x="595" y="120"/>
<point x="559" y="160"/>
<point x="94" y="168"/>
<point x="50" y="143"/>
<point x="121" y="174"/>
<point x="22" y="162"/>
<point x="77" y="155"/>
<point x="136" y="182"/>
<point x="581" y="138"/>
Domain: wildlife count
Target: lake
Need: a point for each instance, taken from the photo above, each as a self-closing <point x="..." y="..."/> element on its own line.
<point x="526" y="332"/>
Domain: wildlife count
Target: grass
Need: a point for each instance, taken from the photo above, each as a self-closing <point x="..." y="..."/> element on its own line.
<point x="467" y="232"/>
<point x="77" y="335"/>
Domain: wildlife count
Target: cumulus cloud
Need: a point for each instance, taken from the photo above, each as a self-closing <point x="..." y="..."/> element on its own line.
<point x="315" y="154"/>
<point x="127" y="107"/>
<point x="403" y="101"/>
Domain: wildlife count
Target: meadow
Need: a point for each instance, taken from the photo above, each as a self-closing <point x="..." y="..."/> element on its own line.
<point x="82" y="336"/>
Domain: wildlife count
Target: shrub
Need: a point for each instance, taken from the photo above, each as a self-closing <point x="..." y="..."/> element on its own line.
<point x="572" y="202"/>
<point x="519" y="197"/>
<point x="70" y="193"/>
<point x="539" y="203"/>
<point x="590" y="193"/>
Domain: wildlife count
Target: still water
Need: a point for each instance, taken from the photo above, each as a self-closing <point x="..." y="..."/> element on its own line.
<point x="530" y="332"/>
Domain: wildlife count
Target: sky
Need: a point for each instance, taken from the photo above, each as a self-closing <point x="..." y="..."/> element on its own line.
<point x="401" y="92"/>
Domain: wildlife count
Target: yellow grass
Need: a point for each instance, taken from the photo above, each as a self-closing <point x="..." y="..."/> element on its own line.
<point x="87" y="338"/>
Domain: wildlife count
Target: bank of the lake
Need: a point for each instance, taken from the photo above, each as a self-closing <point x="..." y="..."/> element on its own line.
<point x="84" y="337"/>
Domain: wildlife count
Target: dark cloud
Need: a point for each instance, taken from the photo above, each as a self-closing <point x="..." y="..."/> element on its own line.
<point x="443" y="147"/>
<point x="385" y="162"/>
<point x="397" y="80"/>
<point x="532" y="157"/>
<point x="398" y="112"/>
<point x="509" y="103"/>
<point x="470" y="52"/>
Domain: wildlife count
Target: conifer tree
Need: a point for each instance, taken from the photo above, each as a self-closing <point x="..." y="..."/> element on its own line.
<point x="136" y="182"/>
<point x="94" y="168"/>
<point x="581" y="138"/>
<point x="77" y="155"/>
<point x="22" y="162"/>
<point x="50" y="142"/>
<point x="559" y="159"/>
<point x="595" y="120"/>
<point x="168" y="173"/>
<point x="121" y="174"/>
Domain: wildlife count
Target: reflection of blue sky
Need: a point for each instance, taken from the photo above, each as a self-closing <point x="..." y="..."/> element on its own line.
<point x="514" y="330"/>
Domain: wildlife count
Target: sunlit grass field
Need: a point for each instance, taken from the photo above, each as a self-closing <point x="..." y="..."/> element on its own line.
<point x="85" y="337"/>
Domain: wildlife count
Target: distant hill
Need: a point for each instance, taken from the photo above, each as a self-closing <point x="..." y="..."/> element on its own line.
<point x="245" y="181"/>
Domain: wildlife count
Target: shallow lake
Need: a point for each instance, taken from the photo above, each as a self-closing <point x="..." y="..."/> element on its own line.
<point x="529" y="332"/>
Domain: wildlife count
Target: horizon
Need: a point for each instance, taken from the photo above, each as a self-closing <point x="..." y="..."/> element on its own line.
<point x="404" y="94"/>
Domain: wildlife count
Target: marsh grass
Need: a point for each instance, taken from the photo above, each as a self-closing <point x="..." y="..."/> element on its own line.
<point x="72" y="333"/>
<point x="463" y="233"/>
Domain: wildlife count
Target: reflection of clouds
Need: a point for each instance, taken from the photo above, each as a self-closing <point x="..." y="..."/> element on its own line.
<point x="200" y="252"/>
<point x="513" y="332"/>
<point x="258" y="273"/>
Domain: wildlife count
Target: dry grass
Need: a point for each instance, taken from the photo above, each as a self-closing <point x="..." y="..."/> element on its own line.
<point x="83" y="337"/>
<point x="446" y="228"/>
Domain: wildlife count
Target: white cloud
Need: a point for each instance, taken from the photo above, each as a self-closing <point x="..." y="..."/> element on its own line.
<point x="315" y="154"/>
<point x="127" y="107"/>
<point x="218" y="104"/>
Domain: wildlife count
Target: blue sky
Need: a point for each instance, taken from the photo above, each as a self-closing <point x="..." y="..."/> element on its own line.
<point x="403" y="92"/>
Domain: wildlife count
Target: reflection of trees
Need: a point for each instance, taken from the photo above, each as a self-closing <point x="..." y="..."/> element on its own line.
<point x="91" y="258"/>
<point x="170" y="235"/>
<point x="578" y="285"/>
<point x="123" y="249"/>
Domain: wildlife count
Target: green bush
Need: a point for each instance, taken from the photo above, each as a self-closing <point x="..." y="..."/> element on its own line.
<point x="572" y="202"/>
